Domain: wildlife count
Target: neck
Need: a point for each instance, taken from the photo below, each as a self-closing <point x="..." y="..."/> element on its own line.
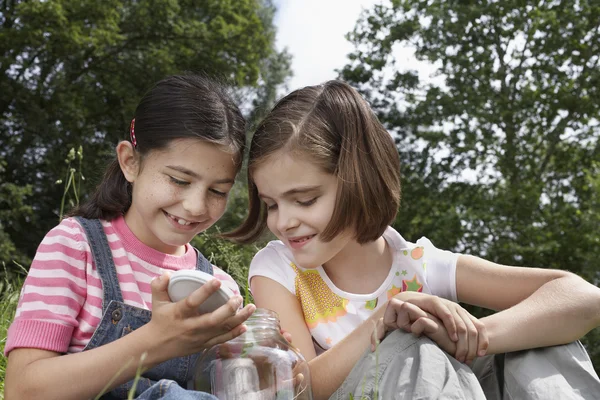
<point x="132" y="220"/>
<point x="360" y="268"/>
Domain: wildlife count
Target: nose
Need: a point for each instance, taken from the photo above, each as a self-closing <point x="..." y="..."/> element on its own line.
<point x="195" y="204"/>
<point x="286" y="219"/>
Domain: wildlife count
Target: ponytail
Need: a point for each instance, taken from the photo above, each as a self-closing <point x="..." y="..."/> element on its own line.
<point x="178" y="107"/>
<point x="111" y="198"/>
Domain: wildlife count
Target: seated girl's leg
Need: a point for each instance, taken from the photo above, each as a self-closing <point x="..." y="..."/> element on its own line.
<point x="166" y="389"/>
<point x="556" y="372"/>
<point x="406" y="367"/>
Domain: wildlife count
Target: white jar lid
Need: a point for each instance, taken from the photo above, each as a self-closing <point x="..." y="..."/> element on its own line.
<point x="182" y="283"/>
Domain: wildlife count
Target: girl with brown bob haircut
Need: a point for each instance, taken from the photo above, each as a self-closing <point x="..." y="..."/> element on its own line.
<point x="324" y="177"/>
<point x="342" y="136"/>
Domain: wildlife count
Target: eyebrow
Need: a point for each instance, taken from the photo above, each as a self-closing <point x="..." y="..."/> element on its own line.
<point x="291" y="192"/>
<point x="191" y="173"/>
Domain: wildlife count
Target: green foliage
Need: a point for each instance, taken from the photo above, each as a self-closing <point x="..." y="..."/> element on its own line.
<point x="73" y="71"/>
<point x="498" y="145"/>
<point x="232" y="258"/>
<point x="15" y="214"/>
<point x="72" y="181"/>
<point x="10" y="286"/>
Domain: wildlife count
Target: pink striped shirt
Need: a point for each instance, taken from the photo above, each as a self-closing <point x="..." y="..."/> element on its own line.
<point x="61" y="300"/>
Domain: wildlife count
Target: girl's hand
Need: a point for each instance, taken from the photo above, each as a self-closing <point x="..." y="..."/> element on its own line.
<point x="286" y="335"/>
<point x="410" y="318"/>
<point x="406" y="316"/>
<point x="182" y="330"/>
<point x="465" y="330"/>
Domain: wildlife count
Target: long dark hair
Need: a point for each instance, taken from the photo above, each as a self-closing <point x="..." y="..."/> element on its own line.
<point x="180" y="106"/>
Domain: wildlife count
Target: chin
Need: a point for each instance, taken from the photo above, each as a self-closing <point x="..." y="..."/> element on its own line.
<point x="308" y="264"/>
<point x="177" y="242"/>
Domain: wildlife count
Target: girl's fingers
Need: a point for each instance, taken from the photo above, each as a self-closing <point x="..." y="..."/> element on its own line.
<point x="159" y="287"/>
<point x="448" y="318"/>
<point x="462" y="344"/>
<point x="400" y="314"/>
<point x="225" y="351"/>
<point x="223" y="319"/>
<point x="188" y="307"/>
<point x="436" y="306"/>
<point x="391" y="313"/>
<point x="424" y="325"/>
<point x="227" y="310"/>
<point x="472" y="336"/>
<point x="225" y="337"/>
<point x="298" y="379"/>
<point x="287" y="336"/>
<point x="483" y="340"/>
<point x="227" y="316"/>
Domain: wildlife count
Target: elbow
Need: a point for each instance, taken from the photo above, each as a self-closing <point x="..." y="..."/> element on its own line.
<point x="20" y="392"/>
<point x="596" y="306"/>
<point x="16" y="387"/>
<point x="13" y="392"/>
<point x="16" y="391"/>
<point x="588" y="297"/>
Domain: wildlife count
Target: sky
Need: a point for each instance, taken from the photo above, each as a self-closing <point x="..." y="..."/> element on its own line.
<point x="313" y="31"/>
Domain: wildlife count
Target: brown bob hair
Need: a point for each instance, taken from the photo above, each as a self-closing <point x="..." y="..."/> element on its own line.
<point x="333" y="126"/>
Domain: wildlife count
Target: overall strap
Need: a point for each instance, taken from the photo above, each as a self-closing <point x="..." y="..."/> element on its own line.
<point x="103" y="259"/>
<point x="202" y="264"/>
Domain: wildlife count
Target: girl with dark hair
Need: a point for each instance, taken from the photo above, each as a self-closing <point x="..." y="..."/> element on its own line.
<point x="324" y="178"/>
<point x="94" y="307"/>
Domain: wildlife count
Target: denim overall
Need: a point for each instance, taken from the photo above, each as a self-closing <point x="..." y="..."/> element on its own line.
<point x="166" y="380"/>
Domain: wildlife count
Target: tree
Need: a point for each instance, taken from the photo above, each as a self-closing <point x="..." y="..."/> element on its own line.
<point x="73" y="71"/>
<point x="15" y="214"/>
<point x="495" y="147"/>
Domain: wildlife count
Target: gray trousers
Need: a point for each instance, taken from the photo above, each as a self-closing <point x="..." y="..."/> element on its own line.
<point x="409" y="367"/>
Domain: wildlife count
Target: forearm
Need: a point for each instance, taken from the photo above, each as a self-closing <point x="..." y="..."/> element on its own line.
<point x="329" y="370"/>
<point x="82" y="375"/>
<point x="559" y="312"/>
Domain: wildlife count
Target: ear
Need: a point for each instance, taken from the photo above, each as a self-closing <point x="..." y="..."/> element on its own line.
<point x="128" y="160"/>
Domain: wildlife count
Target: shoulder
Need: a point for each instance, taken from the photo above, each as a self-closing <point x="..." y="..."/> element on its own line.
<point x="394" y="238"/>
<point x="436" y="266"/>
<point x="422" y="246"/>
<point x="69" y="227"/>
<point x="274" y="251"/>
<point x="226" y="279"/>
<point x="274" y="261"/>
<point x="68" y="234"/>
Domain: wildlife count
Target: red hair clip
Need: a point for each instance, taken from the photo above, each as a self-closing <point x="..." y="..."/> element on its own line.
<point x="132" y="133"/>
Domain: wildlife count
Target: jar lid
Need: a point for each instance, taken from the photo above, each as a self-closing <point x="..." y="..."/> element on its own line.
<point x="182" y="283"/>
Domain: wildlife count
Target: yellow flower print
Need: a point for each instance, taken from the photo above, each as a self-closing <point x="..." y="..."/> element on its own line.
<point x="319" y="303"/>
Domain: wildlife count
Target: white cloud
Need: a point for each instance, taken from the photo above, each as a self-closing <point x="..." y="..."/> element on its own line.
<point x="314" y="33"/>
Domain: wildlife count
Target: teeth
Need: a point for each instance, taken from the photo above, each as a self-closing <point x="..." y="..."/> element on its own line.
<point x="183" y="222"/>
<point x="301" y="240"/>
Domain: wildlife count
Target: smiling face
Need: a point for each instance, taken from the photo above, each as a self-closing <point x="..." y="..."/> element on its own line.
<point x="177" y="192"/>
<point x="300" y="199"/>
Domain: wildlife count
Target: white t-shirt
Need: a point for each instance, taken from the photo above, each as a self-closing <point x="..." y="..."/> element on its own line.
<point x="331" y="313"/>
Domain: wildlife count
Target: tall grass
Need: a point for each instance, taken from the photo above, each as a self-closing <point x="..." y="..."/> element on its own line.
<point x="11" y="280"/>
<point x="10" y="287"/>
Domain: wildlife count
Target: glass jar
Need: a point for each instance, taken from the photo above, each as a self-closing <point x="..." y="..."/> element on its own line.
<point x="260" y="364"/>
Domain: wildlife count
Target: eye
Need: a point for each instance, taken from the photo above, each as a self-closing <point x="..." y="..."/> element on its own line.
<point x="308" y="202"/>
<point x="178" y="182"/>
<point x="271" y="207"/>
<point x="218" y="193"/>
